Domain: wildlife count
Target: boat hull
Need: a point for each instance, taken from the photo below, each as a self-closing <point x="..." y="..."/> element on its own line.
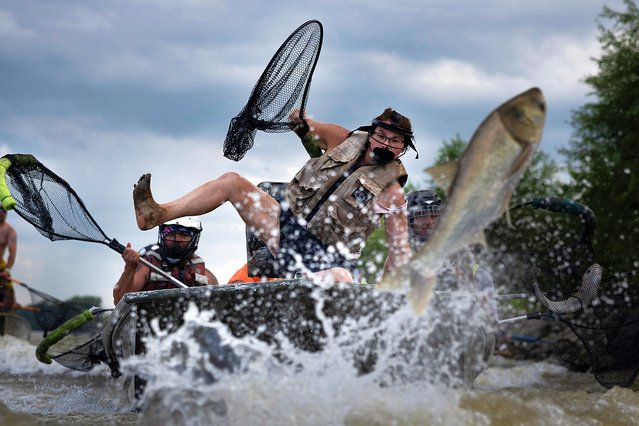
<point x="298" y="311"/>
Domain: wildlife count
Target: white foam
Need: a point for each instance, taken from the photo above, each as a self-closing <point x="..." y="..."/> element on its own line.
<point x="310" y="388"/>
<point x="18" y="356"/>
<point x="509" y="373"/>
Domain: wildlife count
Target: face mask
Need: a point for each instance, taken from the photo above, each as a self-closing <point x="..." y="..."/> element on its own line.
<point x="383" y="156"/>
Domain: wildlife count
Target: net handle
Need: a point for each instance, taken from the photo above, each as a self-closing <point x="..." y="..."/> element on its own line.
<point x="117" y="246"/>
<point x="41" y="294"/>
<point x="60" y="333"/>
<point x="526" y="316"/>
<point x="7" y="200"/>
<point x="571" y="207"/>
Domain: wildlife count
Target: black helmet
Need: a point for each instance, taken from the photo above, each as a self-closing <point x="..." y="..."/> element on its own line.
<point x="422" y="202"/>
<point x="176" y="254"/>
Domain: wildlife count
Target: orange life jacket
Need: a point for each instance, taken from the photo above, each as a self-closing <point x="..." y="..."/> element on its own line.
<point x="242" y="276"/>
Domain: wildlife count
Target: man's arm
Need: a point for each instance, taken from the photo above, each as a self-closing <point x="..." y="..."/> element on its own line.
<point x="395" y="227"/>
<point x="328" y="135"/>
<point x="12" y="245"/>
<point x="133" y="277"/>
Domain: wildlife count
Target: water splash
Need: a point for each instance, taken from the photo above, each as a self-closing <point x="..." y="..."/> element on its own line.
<point x="376" y="362"/>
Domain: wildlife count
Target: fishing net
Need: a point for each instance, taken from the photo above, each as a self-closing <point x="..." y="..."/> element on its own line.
<point x="83" y="349"/>
<point x="282" y="88"/>
<point x="48" y="202"/>
<point x="50" y="312"/>
<point x="609" y="330"/>
<point x="555" y="235"/>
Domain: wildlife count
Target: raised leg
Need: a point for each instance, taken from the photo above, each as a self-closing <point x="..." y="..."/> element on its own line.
<point x="257" y="209"/>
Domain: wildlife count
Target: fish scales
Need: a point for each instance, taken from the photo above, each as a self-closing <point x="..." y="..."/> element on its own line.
<point x="479" y="185"/>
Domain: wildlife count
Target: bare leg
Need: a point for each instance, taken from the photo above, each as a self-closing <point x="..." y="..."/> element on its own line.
<point x="257" y="209"/>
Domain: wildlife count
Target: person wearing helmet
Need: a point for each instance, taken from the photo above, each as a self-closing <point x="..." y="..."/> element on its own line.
<point x="331" y="206"/>
<point x="424" y="208"/>
<point x="174" y="253"/>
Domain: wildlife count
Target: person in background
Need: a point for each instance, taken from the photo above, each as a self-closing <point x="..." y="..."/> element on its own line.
<point x="8" y="301"/>
<point x="458" y="273"/>
<point x="8" y="243"/>
<point x="174" y="253"/>
<point x="424" y="208"/>
<point x="331" y="206"/>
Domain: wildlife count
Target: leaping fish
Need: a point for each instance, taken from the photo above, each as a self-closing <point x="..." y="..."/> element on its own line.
<point x="480" y="185"/>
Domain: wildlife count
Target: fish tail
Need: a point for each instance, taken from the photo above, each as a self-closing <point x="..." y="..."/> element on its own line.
<point x="420" y="293"/>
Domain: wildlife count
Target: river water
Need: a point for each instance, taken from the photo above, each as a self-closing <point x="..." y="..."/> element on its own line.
<point x="508" y="392"/>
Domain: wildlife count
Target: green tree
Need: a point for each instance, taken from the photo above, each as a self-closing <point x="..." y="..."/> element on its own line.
<point x="541" y="179"/>
<point x="603" y="149"/>
<point x="371" y="261"/>
<point x="451" y="150"/>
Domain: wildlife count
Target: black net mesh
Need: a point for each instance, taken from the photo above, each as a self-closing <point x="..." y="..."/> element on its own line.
<point x="553" y="234"/>
<point x="83" y="349"/>
<point x="48" y="202"/>
<point x="609" y="330"/>
<point x="556" y="236"/>
<point x="282" y="88"/>
<point x="50" y="312"/>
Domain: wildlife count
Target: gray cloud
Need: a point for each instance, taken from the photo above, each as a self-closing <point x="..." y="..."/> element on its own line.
<point x="103" y="92"/>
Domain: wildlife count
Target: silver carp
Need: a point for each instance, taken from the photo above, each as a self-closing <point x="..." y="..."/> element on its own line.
<point x="480" y="185"/>
<point x="577" y="301"/>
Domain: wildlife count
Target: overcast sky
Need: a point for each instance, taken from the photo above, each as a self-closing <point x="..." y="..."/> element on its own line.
<point x="104" y="91"/>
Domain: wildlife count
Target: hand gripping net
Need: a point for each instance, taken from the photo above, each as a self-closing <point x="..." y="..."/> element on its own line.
<point x="282" y="88"/>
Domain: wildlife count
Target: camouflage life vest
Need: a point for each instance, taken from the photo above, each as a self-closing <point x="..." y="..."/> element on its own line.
<point x="346" y="218"/>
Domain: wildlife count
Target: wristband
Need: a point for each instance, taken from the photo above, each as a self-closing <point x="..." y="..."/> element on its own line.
<point x="301" y="130"/>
